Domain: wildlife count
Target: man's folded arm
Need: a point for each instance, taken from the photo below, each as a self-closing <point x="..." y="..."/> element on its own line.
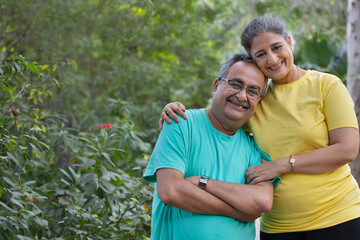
<point x="249" y="199"/>
<point x="174" y="190"/>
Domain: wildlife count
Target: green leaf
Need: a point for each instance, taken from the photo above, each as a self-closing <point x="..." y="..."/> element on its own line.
<point x="75" y="176"/>
<point x="105" y="218"/>
<point x="11" y="183"/>
<point x="66" y="174"/>
<point x="42" y="222"/>
<point x="90" y="187"/>
<point x="13" y="158"/>
<point x="28" y="183"/>
<point x="21" y="237"/>
<point x="74" y="64"/>
<point x="6" y="206"/>
<point x="33" y="68"/>
<point x="16" y="202"/>
<point x="107" y="187"/>
<point x="89" y="202"/>
<point x="29" y="150"/>
<point x="66" y="182"/>
<point x="98" y="205"/>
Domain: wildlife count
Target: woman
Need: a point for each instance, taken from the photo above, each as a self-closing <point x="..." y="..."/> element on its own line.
<point x="307" y="123"/>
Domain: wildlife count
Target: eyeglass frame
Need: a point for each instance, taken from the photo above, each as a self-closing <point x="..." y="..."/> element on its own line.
<point x="238" y="80"/>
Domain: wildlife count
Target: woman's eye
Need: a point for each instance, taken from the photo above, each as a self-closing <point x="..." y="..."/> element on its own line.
<point x="276" y="48"/>
<point x="260" y="55"/>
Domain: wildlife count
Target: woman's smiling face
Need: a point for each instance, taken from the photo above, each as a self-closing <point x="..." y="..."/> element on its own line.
<point x="273" y="54"/>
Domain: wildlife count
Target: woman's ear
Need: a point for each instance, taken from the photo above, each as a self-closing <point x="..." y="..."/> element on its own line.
<point x="289" y="41"/>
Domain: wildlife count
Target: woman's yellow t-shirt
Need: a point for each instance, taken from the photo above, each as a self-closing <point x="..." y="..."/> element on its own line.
<point x="295" y="118"/>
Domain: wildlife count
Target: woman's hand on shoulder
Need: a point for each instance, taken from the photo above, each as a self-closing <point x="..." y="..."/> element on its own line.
<point x="169" y="111"/>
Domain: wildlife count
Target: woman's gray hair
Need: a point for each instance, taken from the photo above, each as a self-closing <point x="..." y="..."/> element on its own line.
<point x="237" y="58"/>
<point x="259" y="25"/>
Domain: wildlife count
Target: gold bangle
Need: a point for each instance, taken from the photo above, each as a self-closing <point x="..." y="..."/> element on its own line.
<point x="292" y="161"/>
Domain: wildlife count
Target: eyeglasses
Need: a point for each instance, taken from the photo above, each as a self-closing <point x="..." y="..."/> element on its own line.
<point x="238" y="85"/>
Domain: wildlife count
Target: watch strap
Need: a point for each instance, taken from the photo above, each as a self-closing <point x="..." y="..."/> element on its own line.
<point x="203" y="182"/>
<point x="292" y="161"/>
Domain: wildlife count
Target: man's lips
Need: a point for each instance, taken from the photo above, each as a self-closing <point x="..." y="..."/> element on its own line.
<point x="238" y="103"/>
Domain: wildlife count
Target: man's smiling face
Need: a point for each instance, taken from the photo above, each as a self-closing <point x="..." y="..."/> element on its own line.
<point x="231" y="104"/>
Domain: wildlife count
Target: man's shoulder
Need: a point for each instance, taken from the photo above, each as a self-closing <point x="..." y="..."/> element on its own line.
<point x="195" y="113"/>
<point x="193" y="116"/>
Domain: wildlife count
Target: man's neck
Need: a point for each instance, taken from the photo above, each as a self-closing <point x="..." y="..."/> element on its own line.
<point x="218" y="125"/>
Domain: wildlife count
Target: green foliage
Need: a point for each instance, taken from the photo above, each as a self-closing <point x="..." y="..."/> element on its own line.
<point x="91" y="198"/>
<point x="62" y="175"/>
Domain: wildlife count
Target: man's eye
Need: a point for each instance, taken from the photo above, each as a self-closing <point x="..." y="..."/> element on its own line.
<point x="253" y="92"/>
<point x="236" y="85"/>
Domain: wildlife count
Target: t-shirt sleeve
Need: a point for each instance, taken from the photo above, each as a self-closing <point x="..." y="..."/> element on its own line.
<point x="257" y="155"/>
<point x="338" y="104"/>
<point x="169" y="152"/>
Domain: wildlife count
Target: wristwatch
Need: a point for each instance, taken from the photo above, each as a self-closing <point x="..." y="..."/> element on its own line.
<point x="203" y="182"/>
<point x="292" y="162"/>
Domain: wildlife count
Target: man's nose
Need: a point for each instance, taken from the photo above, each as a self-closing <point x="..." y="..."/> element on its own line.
<point x="242" y="95"/>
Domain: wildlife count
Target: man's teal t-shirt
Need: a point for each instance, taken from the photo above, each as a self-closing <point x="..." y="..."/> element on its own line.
<point x="196" y="148"/>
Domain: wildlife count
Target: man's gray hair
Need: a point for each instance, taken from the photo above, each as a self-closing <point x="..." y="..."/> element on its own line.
<point x="259" y="25"/>
<point x="237" y="58"/>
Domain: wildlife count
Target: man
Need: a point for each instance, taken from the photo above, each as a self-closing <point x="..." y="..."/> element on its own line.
<point x="211" y="144"/>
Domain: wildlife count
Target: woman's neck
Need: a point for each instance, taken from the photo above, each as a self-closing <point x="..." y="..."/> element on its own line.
<point x="294" y="74"/>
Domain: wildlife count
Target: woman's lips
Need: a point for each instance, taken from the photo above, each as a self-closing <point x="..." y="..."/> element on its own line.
<point x="276" y="67"/>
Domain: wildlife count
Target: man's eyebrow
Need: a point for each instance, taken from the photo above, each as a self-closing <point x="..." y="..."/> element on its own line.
<point x="239" y="80"/>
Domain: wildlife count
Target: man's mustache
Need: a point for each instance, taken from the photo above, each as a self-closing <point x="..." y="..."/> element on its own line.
<point x="233" y="99"/>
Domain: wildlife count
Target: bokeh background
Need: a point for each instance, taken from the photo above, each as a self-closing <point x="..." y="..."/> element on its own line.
<point x="82" y="85"/>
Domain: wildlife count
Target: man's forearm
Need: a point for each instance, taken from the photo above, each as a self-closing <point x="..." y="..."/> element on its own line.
<point x="184" y="195"/>
<point x="250" y="199"/>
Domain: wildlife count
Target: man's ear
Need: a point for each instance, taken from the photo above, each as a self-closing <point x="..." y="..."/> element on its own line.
<point x="215" y="85"/>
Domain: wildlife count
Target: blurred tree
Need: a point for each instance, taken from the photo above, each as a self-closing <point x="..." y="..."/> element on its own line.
<point x="118" y="62"/>
<point x="353" y="70"/>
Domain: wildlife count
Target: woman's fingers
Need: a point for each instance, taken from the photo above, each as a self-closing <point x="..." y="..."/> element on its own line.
<point x="249" y="175"/>
<point x="164" y="115"/>
<point x="175" y="107"/>
<point x="161" y="122"/>
<point x="170" y="111"/>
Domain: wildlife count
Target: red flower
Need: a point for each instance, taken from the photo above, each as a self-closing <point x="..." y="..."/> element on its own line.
<point x="108" y="126"/>
<point x="31" y="199"/>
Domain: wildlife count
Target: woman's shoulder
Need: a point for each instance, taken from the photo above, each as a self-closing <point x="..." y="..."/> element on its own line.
<point x="323" y="76"/>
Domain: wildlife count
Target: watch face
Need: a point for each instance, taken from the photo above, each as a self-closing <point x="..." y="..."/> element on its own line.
<point x="292" y="160"/>
<point x="203" y="180"/>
